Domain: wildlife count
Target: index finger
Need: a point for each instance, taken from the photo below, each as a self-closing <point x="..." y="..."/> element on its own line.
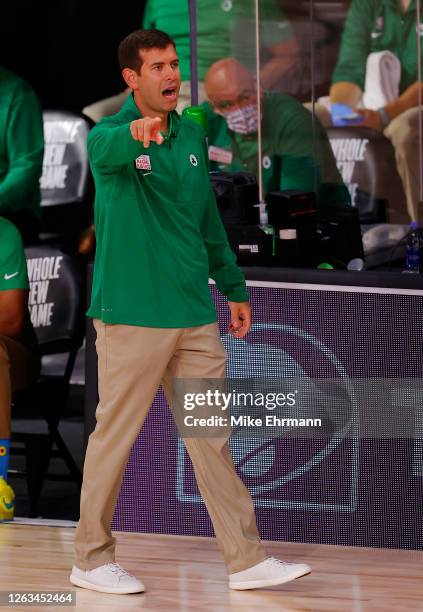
<point x="146" y="133"/>
<point x="155" y="130"/>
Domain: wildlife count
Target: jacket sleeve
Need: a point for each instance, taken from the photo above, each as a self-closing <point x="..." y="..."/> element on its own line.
<point x="25" y="149"/>
<point x="228" y="276"/>
<point x="355" y="45"/>
<point x="111" y="144"/>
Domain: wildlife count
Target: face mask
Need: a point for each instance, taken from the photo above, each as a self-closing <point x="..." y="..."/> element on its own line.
<point x="244" y="120"/>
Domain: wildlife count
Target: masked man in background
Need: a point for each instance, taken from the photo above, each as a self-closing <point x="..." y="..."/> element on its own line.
<point x="296" y="150"/>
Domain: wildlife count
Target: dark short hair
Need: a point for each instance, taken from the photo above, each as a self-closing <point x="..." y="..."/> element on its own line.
<point x="131" y="45"/>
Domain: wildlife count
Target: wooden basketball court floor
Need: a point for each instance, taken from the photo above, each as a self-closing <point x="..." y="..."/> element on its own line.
<point x="187" y="573"/>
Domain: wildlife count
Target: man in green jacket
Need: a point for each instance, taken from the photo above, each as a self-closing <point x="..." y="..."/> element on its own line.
<point x="19" y="359"/>
<point x="225" y="28"/>
<point x="296" y="151"/>
<point x="21" y="153"/>
<point x="159" y="239"/>
<point x="372" y="26"/>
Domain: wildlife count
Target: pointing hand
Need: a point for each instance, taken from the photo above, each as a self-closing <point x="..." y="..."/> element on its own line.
<point x="147" y="130"/>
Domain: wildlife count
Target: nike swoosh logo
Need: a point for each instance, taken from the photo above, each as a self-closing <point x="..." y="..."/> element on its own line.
<point x="9" y="276"/>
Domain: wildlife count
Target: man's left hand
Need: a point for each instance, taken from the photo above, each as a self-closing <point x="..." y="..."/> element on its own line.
<point x="371" y="118"/>
<point x="240" y="318"/>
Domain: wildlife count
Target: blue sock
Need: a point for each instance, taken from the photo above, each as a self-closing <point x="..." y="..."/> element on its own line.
<point x="4" y="456"/>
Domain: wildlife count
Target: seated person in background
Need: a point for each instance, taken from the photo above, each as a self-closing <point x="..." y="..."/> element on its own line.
<point x="372" y="27"/>
<point x="21" y="154"/>
<point x="19" y="359"/>
<point x="224" y="28"/>
<point x="296" y="151"/>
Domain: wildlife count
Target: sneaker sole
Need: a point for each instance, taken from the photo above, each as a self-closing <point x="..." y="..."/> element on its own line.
<point x="103" y="589"/>
<point x="258" y="584"/>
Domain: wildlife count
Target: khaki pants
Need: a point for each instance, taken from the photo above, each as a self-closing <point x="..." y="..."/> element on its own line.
<point x="19" y="368"/>
<point x="132" y="362"/>
<point x="112" y="105"/>
<point x="403" y="132"/>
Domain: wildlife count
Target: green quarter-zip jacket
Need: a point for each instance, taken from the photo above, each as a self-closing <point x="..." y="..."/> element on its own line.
<point x="159" y="233"/>
<point x="378" y="25"/>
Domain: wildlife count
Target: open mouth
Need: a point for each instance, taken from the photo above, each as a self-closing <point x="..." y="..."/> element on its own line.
<point x="170" y="93"/>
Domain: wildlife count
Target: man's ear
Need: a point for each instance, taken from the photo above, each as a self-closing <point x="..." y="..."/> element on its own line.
<point x="130" y="78"/>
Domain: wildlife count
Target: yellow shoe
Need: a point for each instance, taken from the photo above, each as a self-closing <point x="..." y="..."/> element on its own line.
<point x="7" y="504"/>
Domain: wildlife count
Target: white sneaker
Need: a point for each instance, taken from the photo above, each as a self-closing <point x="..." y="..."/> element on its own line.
<point x="109" y="578"/>
<point x="269" y="572"/>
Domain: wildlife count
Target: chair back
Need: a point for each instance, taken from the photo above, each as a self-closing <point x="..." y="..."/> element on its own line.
<point x="366" y="160"/>
<point x="66" y="183"/>
<point x="56" y="299"/>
